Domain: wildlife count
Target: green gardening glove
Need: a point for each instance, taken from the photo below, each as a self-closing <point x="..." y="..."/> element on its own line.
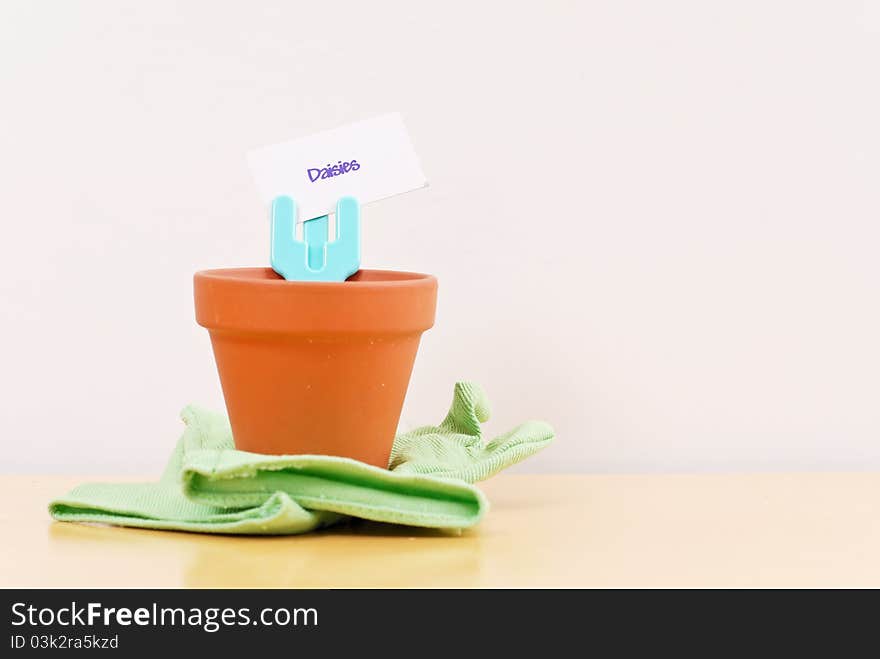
<point x="208" y="486"/>
<point x="455" y="448"/>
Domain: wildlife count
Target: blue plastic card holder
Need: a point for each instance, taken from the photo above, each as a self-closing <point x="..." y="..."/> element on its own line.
<point x="315" y="258"/>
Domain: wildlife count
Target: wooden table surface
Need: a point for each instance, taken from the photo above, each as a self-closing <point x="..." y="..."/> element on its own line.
<point x="585" y="530"/>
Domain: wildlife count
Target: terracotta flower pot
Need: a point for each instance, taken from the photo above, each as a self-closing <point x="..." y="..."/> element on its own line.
<point x="315" y="367"/>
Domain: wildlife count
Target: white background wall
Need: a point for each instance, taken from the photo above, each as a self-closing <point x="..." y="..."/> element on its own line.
<point x="654" y="224"/>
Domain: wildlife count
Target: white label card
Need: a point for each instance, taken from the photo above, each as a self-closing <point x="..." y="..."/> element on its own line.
<point x="368" y="160"/>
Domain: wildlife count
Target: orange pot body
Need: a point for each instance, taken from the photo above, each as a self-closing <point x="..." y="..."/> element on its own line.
<point x="315" y="367"/>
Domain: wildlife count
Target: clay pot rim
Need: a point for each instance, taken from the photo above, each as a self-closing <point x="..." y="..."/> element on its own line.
<point x="252" y="276"/>
<point x="258" y="300"/>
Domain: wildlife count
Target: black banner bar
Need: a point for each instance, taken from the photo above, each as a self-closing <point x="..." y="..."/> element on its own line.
<point x="135" y="621"/>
